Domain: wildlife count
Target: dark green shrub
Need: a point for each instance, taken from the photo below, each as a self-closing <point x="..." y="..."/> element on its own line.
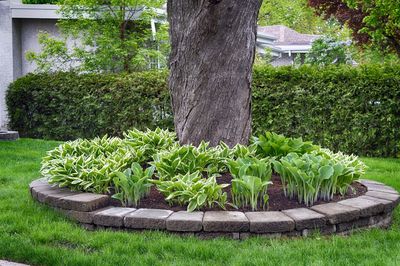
<point x="351" y="109"/>
<point x="68" y="106"/>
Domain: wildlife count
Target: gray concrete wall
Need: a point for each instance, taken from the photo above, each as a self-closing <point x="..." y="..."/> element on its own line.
<point x="6" y="57"/>
<point x="19" y="34"/>
<point x="30" y="29"/>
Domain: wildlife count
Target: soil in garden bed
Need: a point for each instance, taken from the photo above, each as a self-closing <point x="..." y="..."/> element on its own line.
<point x="277" y="200"/>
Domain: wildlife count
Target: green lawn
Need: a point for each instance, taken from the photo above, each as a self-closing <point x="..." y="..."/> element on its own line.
<point x="35" y="234"/>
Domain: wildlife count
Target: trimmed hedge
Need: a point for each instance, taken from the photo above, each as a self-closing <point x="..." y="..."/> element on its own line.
<point x="66" y="106"/>
<point x="349" y="109"/>
<point x="355" y="110"/>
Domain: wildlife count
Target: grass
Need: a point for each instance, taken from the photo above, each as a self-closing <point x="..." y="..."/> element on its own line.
<point x="35" y="234"/>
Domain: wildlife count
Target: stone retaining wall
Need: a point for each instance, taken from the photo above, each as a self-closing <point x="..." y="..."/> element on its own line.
<point x="94" y="211"/>
<point x="8" y="135"/>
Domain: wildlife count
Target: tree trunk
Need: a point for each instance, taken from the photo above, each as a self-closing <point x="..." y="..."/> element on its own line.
<point x="213" y="48"/>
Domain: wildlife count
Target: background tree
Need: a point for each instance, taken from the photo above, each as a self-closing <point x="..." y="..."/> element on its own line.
<point x="263" y="59"/>
<point x="104" y="36"/>
<point x="373" y="22"/>
<point x="213" y="49"/>
<point x="298" y="15"/>
<point x="327" y="51"/>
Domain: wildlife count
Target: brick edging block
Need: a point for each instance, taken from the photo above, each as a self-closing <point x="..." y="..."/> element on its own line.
<point x="374" y="209"/>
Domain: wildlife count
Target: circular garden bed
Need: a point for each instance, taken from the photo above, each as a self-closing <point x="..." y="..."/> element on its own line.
<point x="274" y="186"/>
<point x="373" y="209"/>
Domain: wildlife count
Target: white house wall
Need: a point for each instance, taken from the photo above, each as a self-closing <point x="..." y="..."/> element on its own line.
<point x="283" y="60"/>
<point x="17" y="36"/>
<point x="6" y="57"/>
<point x="29" y="38"/>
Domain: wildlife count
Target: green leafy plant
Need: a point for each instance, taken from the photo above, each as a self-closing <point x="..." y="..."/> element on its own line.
<point x="132" y="184"/>
<point x="251" y="179"/>
<point x="304" y="176"/>
<point x="194" y="190"/>
<point x="328" y="50"/>
<point x="87" y="165"/>
<point x="272" y="144"/>
<point x="185" y="159"/>
<point x="222" y="153"/>
<point x="150" y="142"/>
<point x="348" y="167"/>
<point x="313" y="176"/>
<point x="242" y="151"/>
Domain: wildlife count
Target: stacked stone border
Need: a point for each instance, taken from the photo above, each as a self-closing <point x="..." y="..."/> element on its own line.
<point x="94" y="211"/>
<point x="8" y="135"/>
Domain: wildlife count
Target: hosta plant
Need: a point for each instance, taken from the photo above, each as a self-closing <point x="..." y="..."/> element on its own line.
<point x="194" y="190"/>
<point x="150" y="142"/>
<point x="132" y="184"/>
<point x="272" y="144"/>
<point x="223" y="154"/>
<point x="313" y="176"/>
<point x="185" y="159"/>
<point x="250" y="183"/>
<point x="242" y="151"/>
<point x="87" y="165"/>
<point x="304" y="176"/>
<point x="351" y="169"/>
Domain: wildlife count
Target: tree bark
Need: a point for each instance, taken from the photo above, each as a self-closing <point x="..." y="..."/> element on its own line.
<point x="213" y="48"/>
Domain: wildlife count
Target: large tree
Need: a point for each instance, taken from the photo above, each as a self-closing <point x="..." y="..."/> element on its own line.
<point x="373" y="22"/>
<point x="213" y="49"/>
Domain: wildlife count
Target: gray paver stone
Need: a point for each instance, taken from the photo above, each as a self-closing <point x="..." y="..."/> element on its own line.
<point x="84" y="202"/>
<point x="43" y="193"/>
<point x="379" y="187"/>
<point x="270" y="222"/>
<point x="113" y="216"/>
<point x="147" y="219"/>
<point x="367" y="207"/>
<point x="306" y="219"/>
<point x="382" y="221"/>
<point x="337" y="213"/>
<point x="54" y="197"/>
<point x="383" y="195"/>
<point x="225" y="221"/>
<point x="9" y="135"/>
<point x="388" y="205"/>
<point x="83" y="217"/>
<point x="10" y="263"/>
<point x="362" y="222"/>
<point x="367" y="181"/>
<point x="41" y="189"/>
<point x="38" y="182"/>
<point x="184" y="221"/>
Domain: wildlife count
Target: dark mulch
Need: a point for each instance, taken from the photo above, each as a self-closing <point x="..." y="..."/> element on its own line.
<point x="277" y="200"/>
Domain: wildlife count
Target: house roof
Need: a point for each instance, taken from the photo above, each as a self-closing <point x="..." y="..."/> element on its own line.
<point x="287" y="36"/>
